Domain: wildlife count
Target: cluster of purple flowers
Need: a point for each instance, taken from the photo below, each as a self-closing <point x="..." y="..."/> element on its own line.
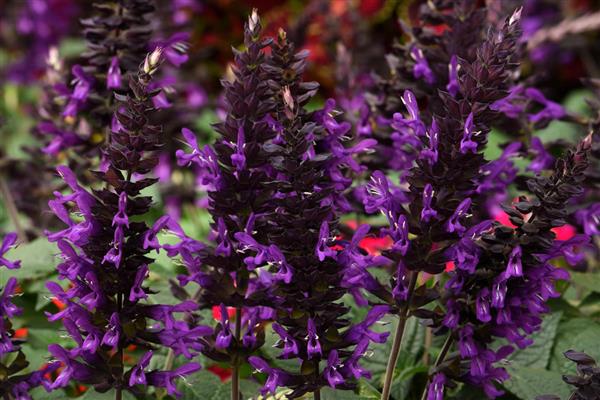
<point x="105" y="259"/>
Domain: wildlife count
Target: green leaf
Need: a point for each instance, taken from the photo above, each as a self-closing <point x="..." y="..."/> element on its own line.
<point x="330" y="394"/>
<point x="368" y="391"/>
<point x="579" y="334"/>
<point x="538" y="354"/>
<point x="38" y="258"/>
<point x="40" y="393"/>
<point x="528" y="383"/>
<point x="110" y="395"/>
<point x="587" y="280"/>
<point x="204" y="385"/>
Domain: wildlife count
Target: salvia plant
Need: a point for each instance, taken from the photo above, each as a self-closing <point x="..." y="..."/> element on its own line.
<point x="402" y="230"/>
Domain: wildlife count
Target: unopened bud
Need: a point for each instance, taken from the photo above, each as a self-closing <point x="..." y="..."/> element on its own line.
<point x="152" y="60"/>
<point x="282" y="34"/>
<point x="586" y="143"/>
<point x="253" y="20"/>
<point x="288" y="100"/>
<point x="516" y="16"/>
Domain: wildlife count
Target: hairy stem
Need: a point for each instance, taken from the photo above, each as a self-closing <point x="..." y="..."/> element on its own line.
<point x="440" y="358"/>
<point x="235" y="376"/>
<point x="403" y="317"/>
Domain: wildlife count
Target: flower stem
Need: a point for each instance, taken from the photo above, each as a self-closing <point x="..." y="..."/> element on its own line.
<point x="119" y="391"/>
<point x="317" y="392"/>
<point x="235" y="376"/>
<point x="440" y="358"/>
<point x="403" y="317"/>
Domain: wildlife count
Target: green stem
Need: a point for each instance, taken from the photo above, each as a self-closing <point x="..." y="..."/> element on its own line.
<point x="440" y="358"/>
<point x="235" y="376"/>
<point x="403" y="317"/>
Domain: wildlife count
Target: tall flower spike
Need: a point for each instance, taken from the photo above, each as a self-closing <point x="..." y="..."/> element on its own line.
<point x="301" y="224"/>
<point x="233" y="273"/>
<point x="107" y="289"/>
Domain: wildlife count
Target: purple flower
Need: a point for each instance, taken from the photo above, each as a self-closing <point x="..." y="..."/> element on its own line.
<point x="113" y="78"/>
<point x="513" y="105"/>
<point x="138" y="377"/>
<point x="224" y="336"/>
<point x="453" y="224"/>
<point x="453" y="87"/>
<point x="175" y="48"/>
<point x="436" y="387"/>
<point x="7" y="243"/>
<point x="322" y="251"/>
<point x="313" y="347"/>
<point x="331" y="372"/>
<point x="543" y="160"/>
<point x="111" y="337"/>
<point x="167" y="379"/>
<point x="431" y="153"/>
<point x="137" y="292"/>
<point x="589" y="218"/>
<point x="466" y="344"/>
<point x="120" y="218"/>
<point x="399" y="233"/>
<point x="224" y="244"/>
<point x="467" y="144"/>
<point x="290" y="347"/>
<point x="514" y="267"/>
<point x="482" y="305"/>
<point x="427" y="213"/>
<point x="275" y="379"/>
<point x="550" y="110"/>
<point x="421" y="67"/>
<point x="238" y="159"/>
<point x="83" y="85"/>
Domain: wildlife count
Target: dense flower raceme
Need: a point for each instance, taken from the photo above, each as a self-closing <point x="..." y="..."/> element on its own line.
<point x="106" y="262"/>
<point x="444" y="188"/>
<point x="235" y="171"/>
<point x="503" y="277"/>
<point x="14" y="382"/>
<point x="309" y="281"/>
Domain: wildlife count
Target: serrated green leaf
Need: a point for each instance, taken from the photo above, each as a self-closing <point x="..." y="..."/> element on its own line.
<point x="528" y="383"/>
<point x="538" y="354"/>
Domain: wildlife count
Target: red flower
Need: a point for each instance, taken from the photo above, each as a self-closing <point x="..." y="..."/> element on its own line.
<point x="222" y="373"/>
<point x="21" y="333"/>
<point x="216" y="312"/>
